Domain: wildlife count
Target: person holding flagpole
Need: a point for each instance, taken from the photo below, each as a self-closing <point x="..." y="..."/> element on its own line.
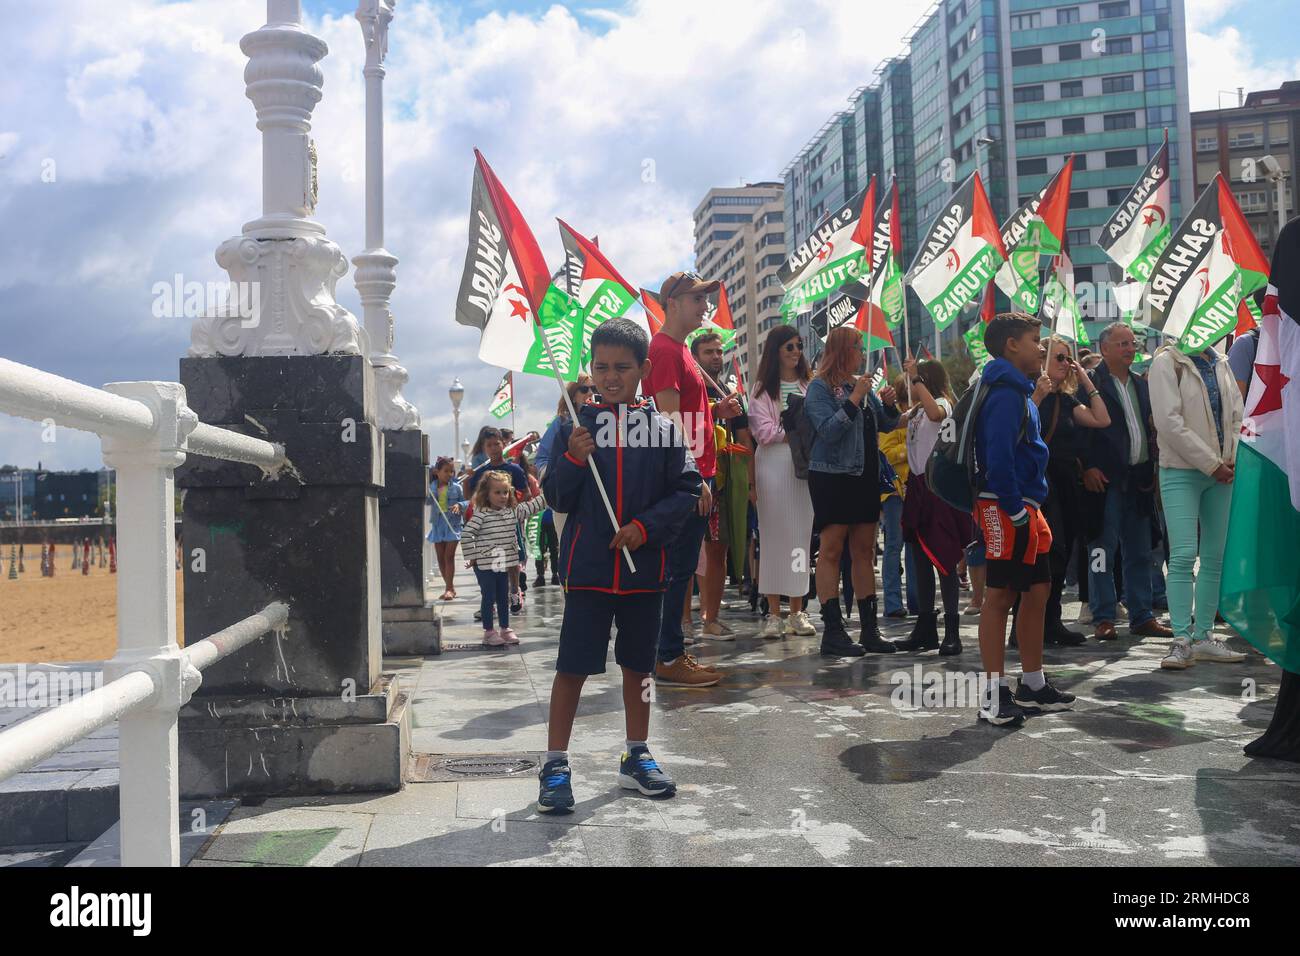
<point x="677" y="385"/>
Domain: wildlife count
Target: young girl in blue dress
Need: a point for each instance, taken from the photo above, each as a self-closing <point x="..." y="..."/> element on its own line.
<point x="446" y="520"/>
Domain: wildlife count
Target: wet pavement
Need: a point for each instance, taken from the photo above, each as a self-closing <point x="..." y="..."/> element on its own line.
<point x="795" y="759"/>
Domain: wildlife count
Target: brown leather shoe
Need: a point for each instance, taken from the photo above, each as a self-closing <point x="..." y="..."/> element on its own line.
<point x="684" y="672"/>
<point x="1152" y="628"/>
<point x="1105" y="631"/>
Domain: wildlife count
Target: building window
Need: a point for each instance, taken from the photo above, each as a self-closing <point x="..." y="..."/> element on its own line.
<point x="1031" y="130"/>
<point x="1117" y="84"/>
<point x="1080" y="162"/>
<point x="1109" y="11"/>
<point x="1072" y="126"/>
<point x="1078" y="237"/>
<point x="1160" y="79"/>
<point x="1118" y="45"/>
<point x="1121" y="157"/>
<point x="1082" y="274"/>
<point x="1028" y="94"/>
<point x="1206" y="144"/>
<point x="1244" y="139"/>
<point x="1114" y="121"/>
<point x="1069" y="51"/>
<point x="1031" y="167"/>
<point x="1116" y="196"/>
<point x="1067" y="15"/>
<point x="1160" y="115"/>
<point x="1160" y="40"/>
<point x="1026" y="21"/>
<point x="1030" y="57"/>
<point x="1071" y="89"/>
<point x="1079" y="200"/>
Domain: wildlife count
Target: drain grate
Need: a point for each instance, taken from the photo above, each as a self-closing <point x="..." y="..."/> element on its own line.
<point x="446" y="768"/>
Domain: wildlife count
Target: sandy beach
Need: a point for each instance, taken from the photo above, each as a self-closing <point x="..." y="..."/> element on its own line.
<point x="69" y="617"/>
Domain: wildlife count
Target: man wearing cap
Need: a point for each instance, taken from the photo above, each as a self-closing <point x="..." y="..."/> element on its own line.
<point x="677" y="387"/>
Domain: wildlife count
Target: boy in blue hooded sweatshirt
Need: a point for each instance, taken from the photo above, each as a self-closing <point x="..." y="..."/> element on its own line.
<point x="653" y="485"/>
<point x="1011" y="464"/>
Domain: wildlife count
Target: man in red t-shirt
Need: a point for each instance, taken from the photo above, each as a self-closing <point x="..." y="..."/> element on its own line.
<point x="676" y="384"/>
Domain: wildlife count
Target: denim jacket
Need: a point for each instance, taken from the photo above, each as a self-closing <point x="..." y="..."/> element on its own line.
<point x="838" y="446"/>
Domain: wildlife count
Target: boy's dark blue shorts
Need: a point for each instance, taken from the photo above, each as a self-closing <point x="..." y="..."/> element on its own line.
<point x="589" y="617"/>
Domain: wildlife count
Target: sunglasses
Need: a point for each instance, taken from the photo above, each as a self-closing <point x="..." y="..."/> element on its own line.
<point x="1061" y="357"/>
<point x="685" y="275"/>
<point x="793" y="347"/>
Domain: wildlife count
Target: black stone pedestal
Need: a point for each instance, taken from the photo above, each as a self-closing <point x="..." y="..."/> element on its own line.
<point x="306" y="712"/>
<point x="410" y="624"/>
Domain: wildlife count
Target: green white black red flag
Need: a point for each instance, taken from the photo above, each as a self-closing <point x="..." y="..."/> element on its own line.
<point x="883" y="289"/>
<point x="503" y="402"/>
<point x="1037" y="229"/>
<point x="960" y="254"/>
<point x="1061" y="314"/>
<point x="836" y="254"/>
<point x="1211" y="262"/>
<point x="1139" y="229"/>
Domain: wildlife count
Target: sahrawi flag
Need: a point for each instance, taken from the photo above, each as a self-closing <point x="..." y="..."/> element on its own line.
<point x="1036" y="229"/>
<point x="586" y="292"/>
<point x="960" y="254"/>
<point x="1212" y="262"/>
<point x="1139" y="229"/>
<point x="836" y="254"/>
<point x="505" y="278"/>
<point x="503" y="402"/>
<point x="883" y="289"/>
<point x="654" y="311"/>
<point x="1260" y="590"/>
<point x="1061" y="313"/>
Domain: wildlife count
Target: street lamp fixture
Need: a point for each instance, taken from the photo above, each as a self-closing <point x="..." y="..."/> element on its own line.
<point x="456" y="393"/>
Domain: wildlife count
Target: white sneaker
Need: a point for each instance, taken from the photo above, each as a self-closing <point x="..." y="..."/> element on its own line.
<point x="1180" y="655"/>
<point x="1085" y="615"/>
<point x="800" y="625"/>
<point x="773" y="628"/>
<point x="1121" y="612"/>
<point x="1215" y="650"/>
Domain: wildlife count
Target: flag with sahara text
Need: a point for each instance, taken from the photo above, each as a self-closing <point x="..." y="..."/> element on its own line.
<point x="1211" y="262"/>
<point x="503" y="402"/>
<point x="1036" y="229"/>
<point x="1139" y="229"/>
<point x="960" y="254"/>
<point x="837" y="253"/>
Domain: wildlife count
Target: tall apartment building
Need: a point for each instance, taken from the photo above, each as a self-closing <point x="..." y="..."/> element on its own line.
<point x="1235" y="141"/>
<point x="740" y="241"/>
<point x="1011" y="88"/>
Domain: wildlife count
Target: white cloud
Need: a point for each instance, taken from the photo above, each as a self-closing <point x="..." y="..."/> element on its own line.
<point x="1220" y="59"/>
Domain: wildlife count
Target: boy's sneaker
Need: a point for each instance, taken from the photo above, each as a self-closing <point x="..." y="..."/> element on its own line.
<point x="508" y="635"/>
<point x="696" y="662"/>
<point x="1008" y="712"/>
<point x="555" y="793"/>
<point x="685" y="672"/>
<point x="1215" y="650"/>
<point x="1046" y="699"/>
<point x="1180" y="655"/>
<point x="637" y="770"/>
<point x="492" y="638"/>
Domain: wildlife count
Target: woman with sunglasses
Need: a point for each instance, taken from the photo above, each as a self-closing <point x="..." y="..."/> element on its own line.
<point x="844" y="480"/>
<point x="1062" y="416"/>
<point x="785" y="511"/>
<point x="580" y="393"/>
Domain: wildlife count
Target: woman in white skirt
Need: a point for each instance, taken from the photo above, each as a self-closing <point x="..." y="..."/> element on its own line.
<point x="785" y="511"/>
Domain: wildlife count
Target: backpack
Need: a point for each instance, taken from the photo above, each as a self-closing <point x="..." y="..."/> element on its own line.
<point x="951" y="472"/>
<point x="799" y="432"/>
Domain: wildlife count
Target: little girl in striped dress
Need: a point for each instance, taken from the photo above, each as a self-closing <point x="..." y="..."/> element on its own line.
<point x="491" y="546"/>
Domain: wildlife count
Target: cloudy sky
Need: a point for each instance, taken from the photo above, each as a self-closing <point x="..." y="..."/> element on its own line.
<point x="128" y="153"/>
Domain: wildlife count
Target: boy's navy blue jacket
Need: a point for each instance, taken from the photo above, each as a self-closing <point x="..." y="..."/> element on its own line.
<point x="651" y="481"/>
<point x="1011" y="467"/>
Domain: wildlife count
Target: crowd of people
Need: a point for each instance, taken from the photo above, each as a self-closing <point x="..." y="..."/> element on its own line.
<point x="668" y="484"/>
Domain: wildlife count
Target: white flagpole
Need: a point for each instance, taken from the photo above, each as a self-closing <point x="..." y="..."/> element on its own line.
<point x="573" y="416"/>
<point x="906" y="348"/>
<point x="511" y="374"/>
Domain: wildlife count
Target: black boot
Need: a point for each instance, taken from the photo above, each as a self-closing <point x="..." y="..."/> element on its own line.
<point x="870" y="638"/>
<point x="835" y="640"/>
<point x="925" y="634"/>
<point x="951" y="635"/>
<point x="541" y="575"/>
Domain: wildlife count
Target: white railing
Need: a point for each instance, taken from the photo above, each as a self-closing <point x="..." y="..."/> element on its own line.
<point x="146" y="430"/>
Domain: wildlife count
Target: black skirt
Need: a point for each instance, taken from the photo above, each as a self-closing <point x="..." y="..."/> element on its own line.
<point x="846" y="499"/>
